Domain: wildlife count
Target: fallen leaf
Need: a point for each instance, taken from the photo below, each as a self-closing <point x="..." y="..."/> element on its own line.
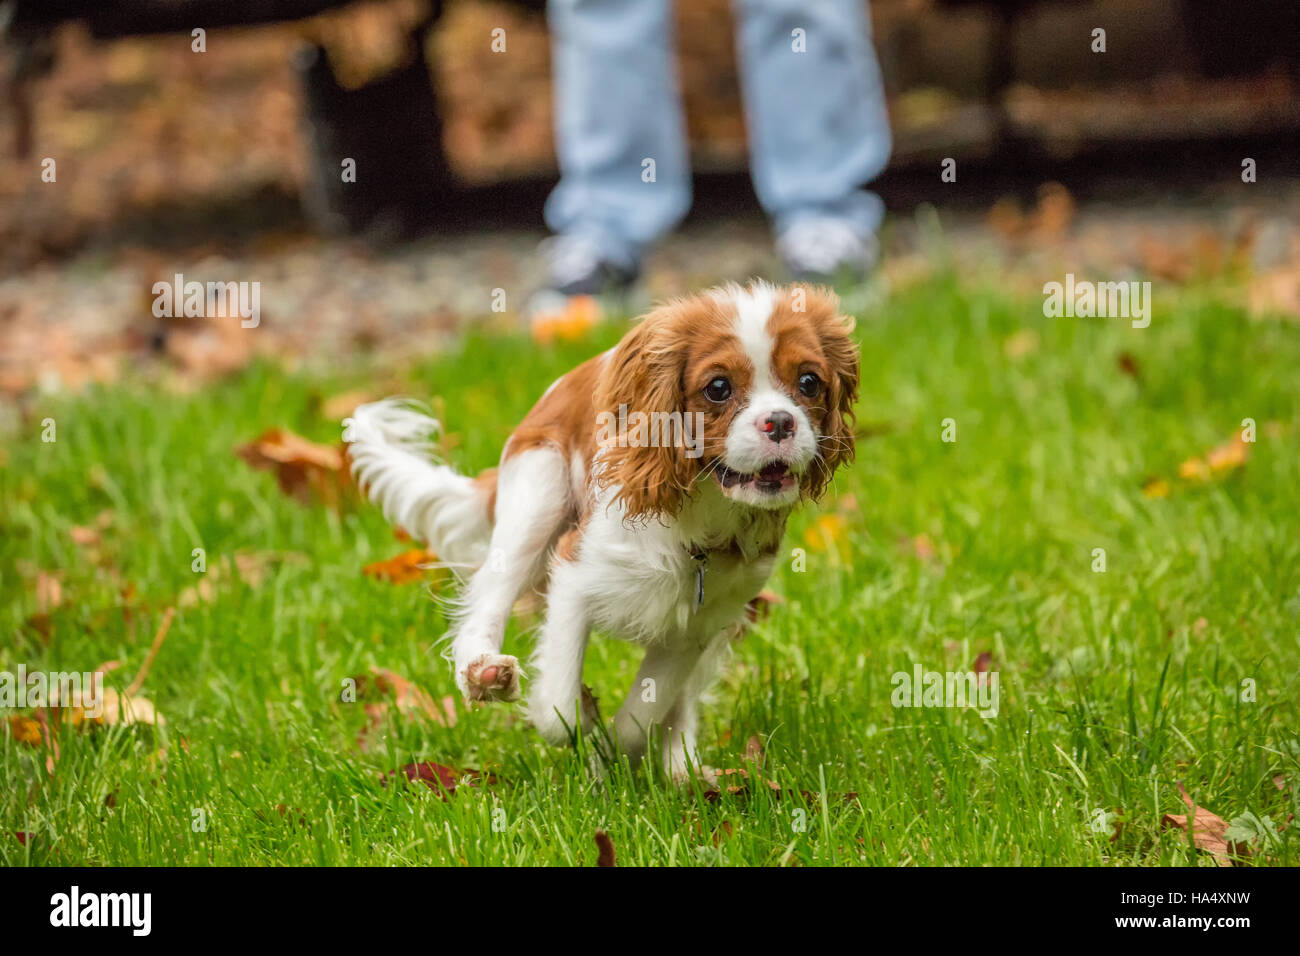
<point x="1128" y="364"/>
<point x="1276" y="292"/>
<point x="742" y="789"/>
<point x="442" y="780"/>
<point x="722" y="833"/>
<point x="1208" y="830"/>
<point x="1227" y="456"/>
<point x="119" y="708"/>
<point x="339" y="407"/>
<point x="567" y="321"/>
<point x="304" y="469"/>
<point x="49" y="592"/>
<point x="251" y="567"/>
<point x="86" y="537"/>
<point x="291" y="812"/>
<point x="1022" y="343"/>
<point x="606" y="847"/>
<point x="1054" y="213"/>
<point x="1155" y="488"/>
<point x="402" y="569"/>
<point x="923" y="547"/>
<point x="409" y="698"/>
<point x="1222" y="458"/>
<point x="828" y="533"/>
<point x="25" y="730"/>
<point x="983" y="662"/>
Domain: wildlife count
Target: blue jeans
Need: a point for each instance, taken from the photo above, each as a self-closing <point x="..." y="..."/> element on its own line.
<point x="816" y="120"/>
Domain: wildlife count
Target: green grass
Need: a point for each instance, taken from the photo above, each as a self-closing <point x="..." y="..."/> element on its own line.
<point x="1114" y="686"/>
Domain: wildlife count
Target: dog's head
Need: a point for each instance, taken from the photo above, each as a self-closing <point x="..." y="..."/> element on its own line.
<point x="762" y="381"/>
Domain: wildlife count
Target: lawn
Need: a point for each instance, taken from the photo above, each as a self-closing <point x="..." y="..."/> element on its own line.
<point x="1178" y="662"/>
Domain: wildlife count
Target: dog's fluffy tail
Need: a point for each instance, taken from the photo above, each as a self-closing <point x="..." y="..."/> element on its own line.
<point x="393" y="462"/>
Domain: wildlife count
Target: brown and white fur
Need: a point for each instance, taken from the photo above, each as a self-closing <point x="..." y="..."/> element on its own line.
<point x="615" y="535"/>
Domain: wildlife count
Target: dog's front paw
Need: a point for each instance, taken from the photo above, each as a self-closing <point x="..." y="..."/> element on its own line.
<point x="491" y="677"/>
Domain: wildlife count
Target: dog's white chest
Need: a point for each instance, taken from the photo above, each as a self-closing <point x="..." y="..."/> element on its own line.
<point x="647" y="586"/>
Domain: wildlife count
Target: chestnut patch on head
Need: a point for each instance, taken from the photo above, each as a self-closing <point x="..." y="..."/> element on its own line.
<point x="816" y="342"/>
<point x="664" y="365"/>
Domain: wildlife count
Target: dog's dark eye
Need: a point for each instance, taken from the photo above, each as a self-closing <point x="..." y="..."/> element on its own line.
<point x="718" y="390"/>
<point x="810" y="386"/>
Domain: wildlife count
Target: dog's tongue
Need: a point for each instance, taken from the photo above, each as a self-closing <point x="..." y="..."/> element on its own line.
<point x="773" y="472"/>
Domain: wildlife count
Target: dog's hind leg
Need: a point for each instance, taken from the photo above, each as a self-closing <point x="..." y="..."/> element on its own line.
<point x="664" y="675"/>
<point x="680" y="751"/>
<point x="533" y="502"/>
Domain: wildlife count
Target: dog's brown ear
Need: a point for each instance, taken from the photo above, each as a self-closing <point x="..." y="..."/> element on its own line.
<point x="834" y="330"/>
<point x="644" y="374"/>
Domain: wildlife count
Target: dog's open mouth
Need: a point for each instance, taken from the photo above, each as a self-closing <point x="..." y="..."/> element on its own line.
<point x="771" y="479"/>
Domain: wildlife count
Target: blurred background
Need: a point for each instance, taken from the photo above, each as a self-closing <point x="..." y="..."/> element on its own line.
<point x="223" y="164"/>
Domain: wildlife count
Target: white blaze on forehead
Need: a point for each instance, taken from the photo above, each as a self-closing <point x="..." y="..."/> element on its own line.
<point x="753" y="308"/>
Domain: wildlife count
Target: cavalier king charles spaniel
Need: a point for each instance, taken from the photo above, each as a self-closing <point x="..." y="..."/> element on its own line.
<point x="644" y="496"/>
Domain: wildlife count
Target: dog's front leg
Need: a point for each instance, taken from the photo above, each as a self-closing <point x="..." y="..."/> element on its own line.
<point x="555" y="702"/>
<point x="532" y="504"/>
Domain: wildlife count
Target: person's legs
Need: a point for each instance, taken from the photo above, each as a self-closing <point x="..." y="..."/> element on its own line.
<point x="815" y="110"/>
<point x="617" y="105"/>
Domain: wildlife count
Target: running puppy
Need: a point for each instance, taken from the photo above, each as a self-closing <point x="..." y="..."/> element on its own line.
<point x="645" y="495"/>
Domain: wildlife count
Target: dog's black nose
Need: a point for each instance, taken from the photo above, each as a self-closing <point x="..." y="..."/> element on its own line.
<point x="779" y="426"/>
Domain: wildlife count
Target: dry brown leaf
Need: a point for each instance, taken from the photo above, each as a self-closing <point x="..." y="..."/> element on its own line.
<point x="49" y="592"/>
<point x="402" y="569"/>
<point x="1155" y="488"/>
<point x="605" y="845"/>
<point x="25" y="730"/>
<point x="209" y="349"/>
<point x="86" y="537"/>
<point x="442" y="780"/>
<point x="409" y="698"/>
<point x="1208" y="830"/>
<point x="741" y="788"/>
<point x="252" y="567"/>
<point x="829" y="532"/>
<point x="1022" y="343"/>
<point x="1221" y="458"/>
<point x="304" y="469"/>
<point x="1276" y="292"/>
<point x="119" y="708"/>
<point x="722" y="833"/>
<point x="339" y="407"/>
<point x="923" y="547"/>
<point x="571" y="320"/>
<point x="1054" y="214"/>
